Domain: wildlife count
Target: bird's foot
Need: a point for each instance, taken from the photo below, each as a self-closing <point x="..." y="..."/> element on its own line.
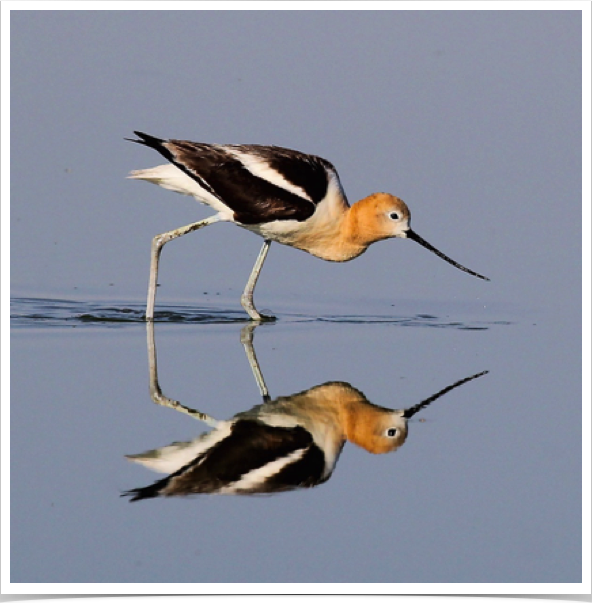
<point x="249" y="306"/>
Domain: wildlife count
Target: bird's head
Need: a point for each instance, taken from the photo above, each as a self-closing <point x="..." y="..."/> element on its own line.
<point x="384" y="216"/>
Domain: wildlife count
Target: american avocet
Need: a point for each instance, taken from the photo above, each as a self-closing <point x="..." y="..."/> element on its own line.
<point x="279" y="194"/>
<point x="283" y="444"/>
<point x="288" y="443"/>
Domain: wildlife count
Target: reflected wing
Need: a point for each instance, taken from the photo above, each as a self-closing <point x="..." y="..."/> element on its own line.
<point x="253" y="458"/>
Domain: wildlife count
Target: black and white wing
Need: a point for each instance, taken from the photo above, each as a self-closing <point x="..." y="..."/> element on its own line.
<point x="252" y="458"/>
<point x="258" y="183"/>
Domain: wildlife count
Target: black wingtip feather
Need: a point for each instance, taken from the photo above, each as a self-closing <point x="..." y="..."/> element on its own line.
<point x="158" y="144"/>
<point x="151" y="491"/>
<point x="147" y="139"/>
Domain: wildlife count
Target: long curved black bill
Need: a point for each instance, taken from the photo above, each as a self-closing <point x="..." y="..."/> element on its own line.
<point x="409" y="412"/>
<point x="411" y="234"/>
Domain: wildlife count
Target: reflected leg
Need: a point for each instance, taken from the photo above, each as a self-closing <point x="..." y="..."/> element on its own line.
<point x="155" y="391"/>
<point x="246" y="338"/>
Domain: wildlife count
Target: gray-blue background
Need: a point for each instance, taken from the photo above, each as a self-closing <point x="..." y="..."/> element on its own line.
<point x="474" y="118"/>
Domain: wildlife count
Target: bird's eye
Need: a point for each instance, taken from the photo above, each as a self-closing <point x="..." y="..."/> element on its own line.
<point x="394" y="215"/>
<point x="391" y="433"/>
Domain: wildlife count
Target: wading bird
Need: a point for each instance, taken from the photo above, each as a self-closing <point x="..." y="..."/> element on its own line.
<point x="280" y="194"/>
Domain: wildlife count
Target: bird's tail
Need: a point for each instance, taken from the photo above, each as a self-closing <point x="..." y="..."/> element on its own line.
<point x="168" y="176"/>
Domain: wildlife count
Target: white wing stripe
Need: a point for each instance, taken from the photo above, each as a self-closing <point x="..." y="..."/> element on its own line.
<point x="261" y="474"/>
<point x="260" y="168"/>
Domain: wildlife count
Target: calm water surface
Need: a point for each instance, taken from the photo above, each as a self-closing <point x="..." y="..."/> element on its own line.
<point x="486" y="487"/>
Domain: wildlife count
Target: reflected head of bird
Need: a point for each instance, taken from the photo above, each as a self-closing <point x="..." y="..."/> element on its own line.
<point x="374" y="428"/>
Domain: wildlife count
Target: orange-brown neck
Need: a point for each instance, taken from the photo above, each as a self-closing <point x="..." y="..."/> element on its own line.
<point x="360" y="222"/>
<point x="336" y="411"/>
<point x="340" y="233"/>
<point x="331" y="234"/>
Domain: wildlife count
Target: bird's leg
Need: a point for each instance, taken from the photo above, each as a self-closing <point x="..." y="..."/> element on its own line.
<point x="247" y="296"/>
<point x="158" y="242"/>
<point x="246" y="337"/>
<point x="155" y="391"/>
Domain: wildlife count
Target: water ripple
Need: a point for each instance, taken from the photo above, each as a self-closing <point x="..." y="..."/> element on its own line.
<point x="40" y="312"/>
<point x="37" y="312"/>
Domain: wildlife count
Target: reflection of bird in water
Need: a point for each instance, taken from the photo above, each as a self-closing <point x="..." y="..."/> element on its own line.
<point x="279" y="194"/>
<point x="291" y="442"/>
